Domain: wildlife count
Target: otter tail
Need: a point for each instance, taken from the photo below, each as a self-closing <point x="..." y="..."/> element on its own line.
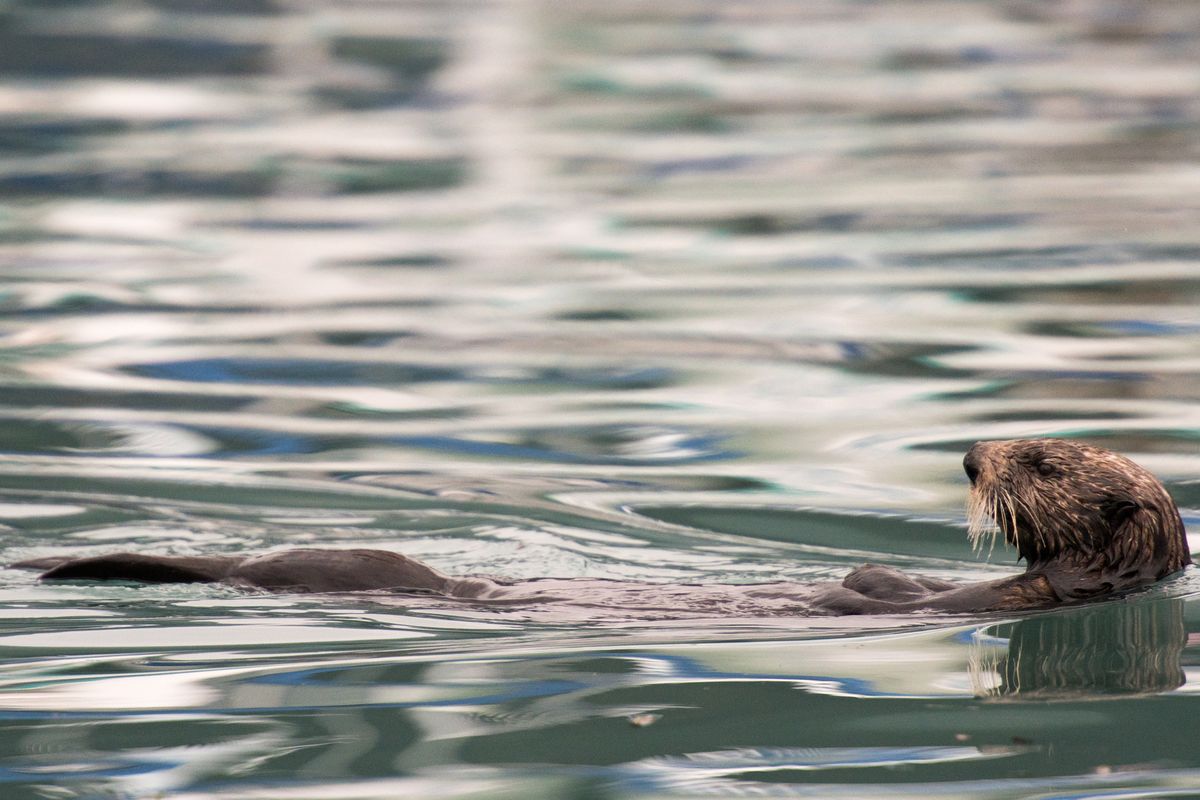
<point x="134" y="567"/>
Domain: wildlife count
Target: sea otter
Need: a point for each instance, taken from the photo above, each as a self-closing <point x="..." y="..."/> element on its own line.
<point x="1087" y="522"/>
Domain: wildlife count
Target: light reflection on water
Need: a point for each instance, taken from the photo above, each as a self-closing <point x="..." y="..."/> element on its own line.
<point x="681" y="294"/>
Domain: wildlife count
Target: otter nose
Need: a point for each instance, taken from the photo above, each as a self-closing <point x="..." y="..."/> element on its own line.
<point x="971" y="463"/>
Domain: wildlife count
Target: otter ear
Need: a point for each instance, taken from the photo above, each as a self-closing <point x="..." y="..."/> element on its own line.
<point x="1118" y="509"/>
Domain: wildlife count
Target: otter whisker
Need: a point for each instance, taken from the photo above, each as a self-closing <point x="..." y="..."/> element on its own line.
<point x="1039" y="533"/>
<point x="981" y="518"/>
<point x="1012" y="518"/>
<point x="1003" y="507"/>
<point x="1016" y="503"/>
<point x="996" y="526"/>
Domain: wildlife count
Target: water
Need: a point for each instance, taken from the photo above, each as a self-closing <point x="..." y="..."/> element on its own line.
<point x="686" y="292"/>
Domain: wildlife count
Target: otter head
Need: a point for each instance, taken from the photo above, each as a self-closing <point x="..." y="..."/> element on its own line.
<point x="1070" y="506"/>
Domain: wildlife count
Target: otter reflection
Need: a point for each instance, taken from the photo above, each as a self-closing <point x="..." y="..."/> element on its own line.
<point x="1116" y="648"/>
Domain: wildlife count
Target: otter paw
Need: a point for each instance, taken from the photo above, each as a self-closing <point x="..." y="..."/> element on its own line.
<point x="884" y="583"/>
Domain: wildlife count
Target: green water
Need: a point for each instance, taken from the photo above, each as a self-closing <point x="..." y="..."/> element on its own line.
<point x="684" y="292"/>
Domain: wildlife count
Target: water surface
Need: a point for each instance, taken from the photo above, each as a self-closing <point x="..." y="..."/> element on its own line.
<point x="683" y="293"/>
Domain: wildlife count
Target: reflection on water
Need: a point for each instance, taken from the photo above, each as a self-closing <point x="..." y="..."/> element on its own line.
<point x="681" y="293"/>
<point x="765" y="711"/>
<point x="1111" y="649"/>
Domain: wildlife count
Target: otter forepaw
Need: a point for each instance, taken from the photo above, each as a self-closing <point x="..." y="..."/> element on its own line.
<point x="884" y="583"/>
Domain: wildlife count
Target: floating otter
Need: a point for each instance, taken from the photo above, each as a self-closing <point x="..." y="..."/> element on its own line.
<point x="1087" y="522"/>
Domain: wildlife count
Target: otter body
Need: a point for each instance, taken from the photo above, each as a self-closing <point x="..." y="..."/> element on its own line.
<point x="1088" y="523"/>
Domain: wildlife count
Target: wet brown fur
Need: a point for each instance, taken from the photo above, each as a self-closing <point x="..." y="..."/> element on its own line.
<point x="1089" y="520"/>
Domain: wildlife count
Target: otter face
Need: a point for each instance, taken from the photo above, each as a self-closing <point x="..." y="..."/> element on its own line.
<point x="1054" y="497"/>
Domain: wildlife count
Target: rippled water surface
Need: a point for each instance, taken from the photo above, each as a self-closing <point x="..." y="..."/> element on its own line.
<point x="676" y="292"/>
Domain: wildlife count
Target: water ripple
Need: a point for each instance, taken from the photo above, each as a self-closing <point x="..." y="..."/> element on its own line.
<point x="683" y="294"/>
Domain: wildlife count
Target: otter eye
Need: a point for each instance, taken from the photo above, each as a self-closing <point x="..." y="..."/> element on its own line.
<point x="1045" y="469"/>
